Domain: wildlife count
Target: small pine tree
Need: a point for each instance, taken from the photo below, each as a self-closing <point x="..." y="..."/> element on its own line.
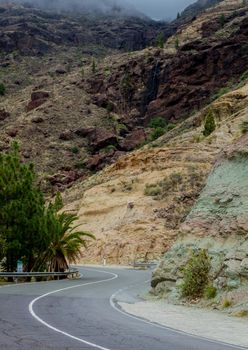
<point x="160" y="40"/>
<point x="93" y="67"/>
<point x="178" y="15"/>
<point x="222" y="20"/>
<point x="2" y="89"/>
<point x="209" y="125"/>
<point x="177" y="43"/>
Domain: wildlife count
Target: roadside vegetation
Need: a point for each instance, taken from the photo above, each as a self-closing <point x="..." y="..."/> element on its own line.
<point x="196" y="280"/>
<point x="40" y="235"/>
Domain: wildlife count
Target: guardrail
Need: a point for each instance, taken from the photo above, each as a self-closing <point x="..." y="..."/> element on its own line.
<point x="148" y="264"/>
<point x="18" y="275"/>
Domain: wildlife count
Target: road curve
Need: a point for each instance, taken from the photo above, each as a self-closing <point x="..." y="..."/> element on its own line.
<point x="82" y="314"/>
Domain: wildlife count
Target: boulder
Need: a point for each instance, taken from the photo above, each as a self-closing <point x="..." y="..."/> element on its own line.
<point x="84" y="132"/>
<point x="133" y="140"/>
<point x="66" y="135"/>
<point x="37" y="120"/>
<point x="39" y="95"/>
<point x="4" y="114"/>
<point x="100" y="138"/>
<point x="99" y="160"/>
<point x="37" y="99"/>
<point x="60" y="70"/>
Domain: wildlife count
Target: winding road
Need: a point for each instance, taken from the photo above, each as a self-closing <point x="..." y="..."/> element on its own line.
<point x="83" y="314"/>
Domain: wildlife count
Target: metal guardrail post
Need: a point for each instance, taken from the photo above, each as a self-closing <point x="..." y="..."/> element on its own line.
<point x="18" y="275"/>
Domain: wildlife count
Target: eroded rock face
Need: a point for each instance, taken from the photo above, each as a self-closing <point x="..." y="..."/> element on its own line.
<point x="171" y="85"/>
<point x="223" y="205"/>
<point x="228" y="266"/>
<point x="217" y="223"/>
<point x="33" y="31"/>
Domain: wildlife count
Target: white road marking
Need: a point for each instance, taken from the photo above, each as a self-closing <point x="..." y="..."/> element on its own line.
<point x="119" y="309"/>
<point x="31" y="310"/>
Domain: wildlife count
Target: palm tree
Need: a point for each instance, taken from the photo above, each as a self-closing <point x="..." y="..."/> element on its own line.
<point x="63" y="243"/>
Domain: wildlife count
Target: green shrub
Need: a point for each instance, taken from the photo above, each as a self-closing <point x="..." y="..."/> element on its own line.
<point x="2" y="89"/>
<point x="221" y="92"/>
<point x="244" y="126"/>
<point x="196" y="274"/>
<point x="177" y="44"/>
<point x="160" y="126"/>
<point x="226" y="303"/>
<point x="176" y="178"/>
<point x="244" y="76"/>
<point x="209" y="125"/>
<point x="162" y="188"/>
<point x="110" y="107"/>
<point x="93" y="66"/>
<point x="210" y="292"/>
<point x="80" y="165"/>
<point x="160" y="40"/>
<point x="109" y="148"/>
<point x="157" y="122"/>
<point x="75" y="150"/>
<point x="107" y="72"/>
<point x="241" y="313"/>
<point x="156" y="133"/>
<point x="222" y="20"/>
<point x="152" y="190"/>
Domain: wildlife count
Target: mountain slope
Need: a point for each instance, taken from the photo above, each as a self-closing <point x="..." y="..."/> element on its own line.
<point x="136" y="206"/>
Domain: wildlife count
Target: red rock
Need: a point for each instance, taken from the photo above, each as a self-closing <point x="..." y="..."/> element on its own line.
<point x="100" y="138"/>
<point x="133" y="140"/>
<point x="84" y="132"/>
<point x="37" y="99"/>
<point x="39" y="95"/>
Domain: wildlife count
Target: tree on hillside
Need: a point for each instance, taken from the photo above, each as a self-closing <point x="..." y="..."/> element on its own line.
<point x="93" y="67"/>
<point x="39" y="235"/>
<point x="22" y="210"/>
<point x="64" y="244"/>
<point x="160" y="40"/>
<point x="210" y="124"/>
<point x="2" y="89"/>
<point x="222" y="20"/>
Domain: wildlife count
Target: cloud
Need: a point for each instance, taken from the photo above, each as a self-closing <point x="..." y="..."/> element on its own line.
<point x="104" y="6"/>
<point x="161" y="9"/>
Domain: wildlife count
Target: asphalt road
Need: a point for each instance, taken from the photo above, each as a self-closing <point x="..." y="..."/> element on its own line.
<point x="82" y="314"/>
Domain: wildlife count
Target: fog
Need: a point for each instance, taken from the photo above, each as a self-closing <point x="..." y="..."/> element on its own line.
<point x="156" y="9"/>
<point x="104" y="6"/>
<point x="161" y="9"/>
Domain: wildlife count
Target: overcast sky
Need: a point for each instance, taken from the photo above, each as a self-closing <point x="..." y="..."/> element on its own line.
<point x="161" y="9"/>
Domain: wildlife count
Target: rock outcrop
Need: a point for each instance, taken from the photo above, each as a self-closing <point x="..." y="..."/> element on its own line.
<point x="175" y="81"/>
<point x="32" y="31"/>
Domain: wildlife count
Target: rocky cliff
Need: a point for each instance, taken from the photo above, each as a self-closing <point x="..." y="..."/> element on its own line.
<point x="137" y="205"/>
<point x="181" y="78"/>
<point x="32" y="31"/>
